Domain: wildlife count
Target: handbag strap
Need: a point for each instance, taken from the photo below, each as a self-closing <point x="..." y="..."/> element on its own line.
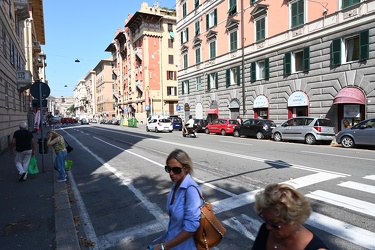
<point x="66" y="142"/>
<point x="200" y="195"/>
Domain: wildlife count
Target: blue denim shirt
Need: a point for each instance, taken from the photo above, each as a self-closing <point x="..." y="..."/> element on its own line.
<point x="184" y="216"/>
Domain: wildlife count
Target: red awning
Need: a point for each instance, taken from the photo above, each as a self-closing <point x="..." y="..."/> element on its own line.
<point x="350" y="95"/>
<point x="212" y="111"/>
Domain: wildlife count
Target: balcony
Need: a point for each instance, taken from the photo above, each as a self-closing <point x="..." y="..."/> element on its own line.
<point x="24" y="80"/>
<point x="22" y="9"/>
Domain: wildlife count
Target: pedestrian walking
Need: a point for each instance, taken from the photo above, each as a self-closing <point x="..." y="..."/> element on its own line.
<point x="182" y="205"/>
<point x="23" y="139"/>
<point x="58" y="143"/>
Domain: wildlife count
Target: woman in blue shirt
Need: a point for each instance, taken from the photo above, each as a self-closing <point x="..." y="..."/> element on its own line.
<point x="182" y="205"/>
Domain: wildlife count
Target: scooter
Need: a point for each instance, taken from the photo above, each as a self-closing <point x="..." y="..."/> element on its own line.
<point x="192" y="132"/>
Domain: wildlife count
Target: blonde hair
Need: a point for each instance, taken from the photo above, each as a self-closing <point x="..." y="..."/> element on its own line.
<point x="52" y="134"/>
<point x="288" y="204"/>
<point x="183" y="158"/>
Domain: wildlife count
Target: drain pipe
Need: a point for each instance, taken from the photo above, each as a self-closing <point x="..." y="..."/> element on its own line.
<point x="243" y="61"/>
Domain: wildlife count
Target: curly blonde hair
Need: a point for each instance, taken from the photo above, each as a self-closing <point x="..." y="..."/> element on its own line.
<point x="288" y="204"/>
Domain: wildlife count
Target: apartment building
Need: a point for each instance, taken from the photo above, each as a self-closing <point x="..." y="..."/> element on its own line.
<point x="277" y="59"/>
<point x="145" y="64"/>
<point x="21" y="63"/>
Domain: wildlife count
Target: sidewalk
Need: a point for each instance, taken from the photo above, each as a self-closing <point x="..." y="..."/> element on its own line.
<point x="36" y="213"/>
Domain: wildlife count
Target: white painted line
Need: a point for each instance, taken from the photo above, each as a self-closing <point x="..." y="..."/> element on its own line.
<point x="236" y="225"/>
<point x="341" y="156"/>
<point x="370" y="177"/>
<point x="311" y="179"/>
<point x="344" y="201"/>
<point x="239" y="143"/>
<point x="358" y="186"/>
<point x="348" y="232"/>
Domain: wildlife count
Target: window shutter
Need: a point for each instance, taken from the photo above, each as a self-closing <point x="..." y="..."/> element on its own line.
<point x="207" y="21"/>
<point x="216" y="80"/>
<point x="215" y="17"/>
<point x="187" y="34"/>
<point x="267" y="68"/>
<point x="364" y="45"/>
<point x="252" y="72"/>
<point x="227" y="78"/>
<point x="238" y="75"/>
<point x="182" y="87"/>
<point x="182" y="37"/>
<point x="175" y="75"/>
<point x="188" y="86"/>
<point x="287" y="63"/>
<point x="167" y="75"/>
<point x="208" y="82"/>
<point x="306" y="59"/>
<point x="336" y="52"/>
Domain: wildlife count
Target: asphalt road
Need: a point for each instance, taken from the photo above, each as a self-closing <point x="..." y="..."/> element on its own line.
<point x="120" y="187"/>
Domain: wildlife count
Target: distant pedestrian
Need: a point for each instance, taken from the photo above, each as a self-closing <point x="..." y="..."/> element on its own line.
<point x="239" y="120"/>
<point x="58" y="143"/>
<point x="23" y="139"/>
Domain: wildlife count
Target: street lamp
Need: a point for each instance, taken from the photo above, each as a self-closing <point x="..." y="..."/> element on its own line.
<point x="77" y="61"/>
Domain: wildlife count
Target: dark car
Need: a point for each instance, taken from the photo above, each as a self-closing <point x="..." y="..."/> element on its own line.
<point x="176" y="122"/>
<point x="362" y="133"/>
<point x="201" y="124"/>
<point x="258" y="128"/>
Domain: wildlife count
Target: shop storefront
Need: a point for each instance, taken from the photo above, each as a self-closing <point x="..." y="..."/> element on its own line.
<point x="234" y="107"/>
<point x="298" y="105"/>
<point x="350" y="104"/>
<point x="261" y="107"/>
<point x="212" y="112"/>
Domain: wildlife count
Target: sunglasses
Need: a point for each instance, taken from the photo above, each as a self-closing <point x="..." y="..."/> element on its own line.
<point x="175" y="170"/>
<point x="275" y="225"/>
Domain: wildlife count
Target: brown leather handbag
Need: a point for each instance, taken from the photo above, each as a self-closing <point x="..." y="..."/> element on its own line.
<point x="210" y="231"/>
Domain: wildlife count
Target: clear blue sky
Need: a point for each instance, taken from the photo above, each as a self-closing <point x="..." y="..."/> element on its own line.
<point x="82" y="29"/>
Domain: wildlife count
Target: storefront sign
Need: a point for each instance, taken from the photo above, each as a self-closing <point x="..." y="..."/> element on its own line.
<point x="261" y="102"/>
<point x="186" y="107"/>
<point x="297" y="99"/>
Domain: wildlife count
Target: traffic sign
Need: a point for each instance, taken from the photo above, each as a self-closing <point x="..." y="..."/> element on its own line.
<point x="40" y="90"/>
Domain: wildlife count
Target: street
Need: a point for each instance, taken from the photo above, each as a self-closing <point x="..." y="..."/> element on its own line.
<point x="120" y="187"/>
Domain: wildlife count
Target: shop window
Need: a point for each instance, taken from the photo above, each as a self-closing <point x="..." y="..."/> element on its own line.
<point x="233" y="76"/>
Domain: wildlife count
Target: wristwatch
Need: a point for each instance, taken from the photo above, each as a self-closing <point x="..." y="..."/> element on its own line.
<point x="162" y="246"/>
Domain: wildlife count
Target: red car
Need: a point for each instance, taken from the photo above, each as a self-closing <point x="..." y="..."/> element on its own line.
<point x="221" y="126"/>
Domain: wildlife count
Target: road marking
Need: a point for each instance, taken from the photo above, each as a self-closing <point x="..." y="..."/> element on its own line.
<point x="344" y="201"/>
<point x="342" y="156"/>
<point x="358" y="186"/>
<point x="239" y="143"/>
<point x="242" y="225"/>
<point x="370" y="177"/>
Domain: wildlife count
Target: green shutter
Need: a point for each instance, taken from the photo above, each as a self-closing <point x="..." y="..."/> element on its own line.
<point x="207" y="22"/>
<point x="364" y="45"/>
<point x="188" y="86"/>
<point x="252" y="72"/>
<point x="182" y="87"/>
<point x="287" y="63"/>
<point x="216" y="80"/>
<point x="238" y="75"/>
<point x="267" y="68"/>
<point x="208" y="82"/>
<point x="182" y="37"/>
<point x="306" y="59"/>
<point x="227" y="78"/>
<point x="187" y="34"/>
<point x="336" y="52"/>
<point x="215" y="17"/>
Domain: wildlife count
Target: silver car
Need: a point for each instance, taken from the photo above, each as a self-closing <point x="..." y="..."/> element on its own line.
<point x="362" y="133"/>
<point x="304" y="128"/>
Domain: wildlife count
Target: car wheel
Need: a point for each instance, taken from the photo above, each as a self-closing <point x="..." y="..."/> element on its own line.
<point x="156" y="130"/>
<point x="170" y="131"/>
<point x="277" y="137"/>
<point x="223" y="132"/>
<point x="236" y="133"/>
<point x="310" y="139"/>
<point x="260" y="135"/>
<point x="207" y="131"/>
<point x="147" y="130"/>
<point x="347" y="142"/>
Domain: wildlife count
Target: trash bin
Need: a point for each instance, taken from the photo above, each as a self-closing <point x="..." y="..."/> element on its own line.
<point x="130" y="122"/>
<point x="45" y="146"/>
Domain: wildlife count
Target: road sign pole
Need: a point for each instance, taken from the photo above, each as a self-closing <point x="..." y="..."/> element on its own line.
<point x="41" y="123"/>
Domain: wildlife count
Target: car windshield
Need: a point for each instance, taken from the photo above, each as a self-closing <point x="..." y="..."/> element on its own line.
<point x="176" y="119"/>
<point x="323" y="122"/>
<point x="165" y="120"/>
<point x="270" y="123"/>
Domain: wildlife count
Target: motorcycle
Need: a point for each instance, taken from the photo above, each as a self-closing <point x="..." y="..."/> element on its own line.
<point x="192" y="132"/>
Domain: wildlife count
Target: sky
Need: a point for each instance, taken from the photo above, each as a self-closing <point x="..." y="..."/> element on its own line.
<point x="82" y="29"/>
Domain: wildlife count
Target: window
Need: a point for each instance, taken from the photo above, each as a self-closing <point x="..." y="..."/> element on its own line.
<point x="185" y="87"/>
<point x="196" y="3"/>
<point x="170" y="27"/>
<point x="297" y="16"/>
<point x="184" y="9"/>
<point x="12" y="56"/>
<point x="232" y="7"/>
<point x="171" y="75"/>
<point x="197" y="28"/>
<point x="170" y="59"/>
<point x="297" y="61"/>
<point x="354" y="48"/>
<point x="260" y="70"/>
<point x="185" y="36"/>
<point x="233" y="40"/>
<point x="170" y="43"/>
<point x="185" y="56"/>
<point x="212" y="49"/>
<point x="171" y="91"/>
<point x="260" y="29"/>
<point x="199" y="83"/>
<point x="233" y="76"/>
<point x="211" y="19"/>
<point x="198" y="55"/>
<point x="253" y="1"/>
<point x="212" y="78"/>
<point x="348" y="3"/>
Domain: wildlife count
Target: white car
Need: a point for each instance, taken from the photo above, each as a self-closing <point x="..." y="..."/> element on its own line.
<point x="159" y="125"/>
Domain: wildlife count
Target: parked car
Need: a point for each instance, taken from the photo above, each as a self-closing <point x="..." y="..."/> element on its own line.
<point x="362" y="133"/>
<point x="84" y="121"/>
<point x="176" y="122"/>
<point x="221" y="126"/>
<point x="304" y="128"/>
<point x="259" y="128"/>
<point x="159" y="125"/>
<point x="201" y="124"/>
<point x="94" y="121"/>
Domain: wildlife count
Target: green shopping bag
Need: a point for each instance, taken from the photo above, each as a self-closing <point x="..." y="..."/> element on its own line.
<point x="68" y="165"/>
<point x="33" y="167"/>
